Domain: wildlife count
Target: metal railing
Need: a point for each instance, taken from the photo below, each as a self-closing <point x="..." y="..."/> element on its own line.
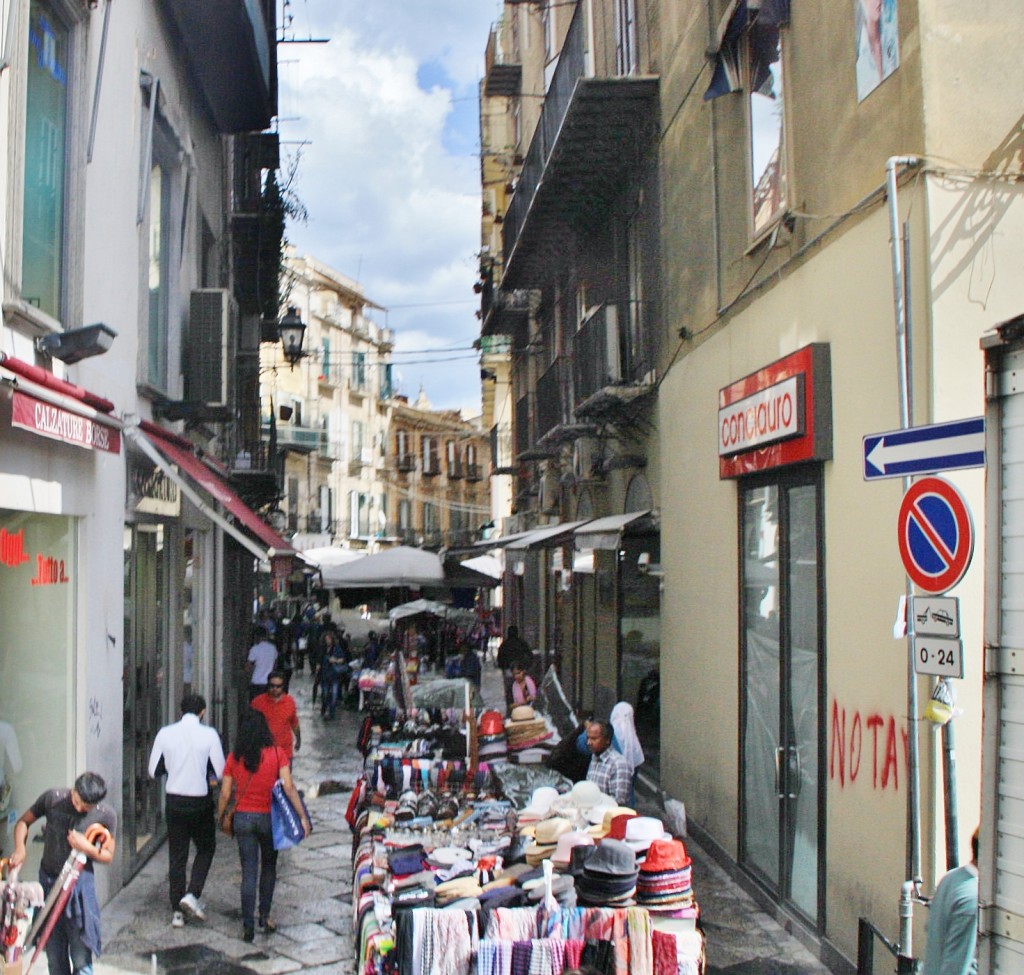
<point x="501" y="447"/>
<point x="554" y="396"/>
<point x="524" y="415"/>
<point x="596" y="351"/>
<point x="572" y="65"/>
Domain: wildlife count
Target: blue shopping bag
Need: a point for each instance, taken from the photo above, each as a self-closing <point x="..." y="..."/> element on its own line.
<point x="285" y="819"/>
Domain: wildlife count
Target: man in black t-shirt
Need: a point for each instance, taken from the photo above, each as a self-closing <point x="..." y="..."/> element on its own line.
<point x="68" y="814"/>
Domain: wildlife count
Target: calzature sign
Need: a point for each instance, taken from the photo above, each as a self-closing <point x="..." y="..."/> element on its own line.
<point x="779" y="415"/>
<point x="776" y="413"/>
<point x="57" y="423"/>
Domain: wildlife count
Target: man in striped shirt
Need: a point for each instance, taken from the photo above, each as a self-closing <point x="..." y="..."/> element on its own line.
<point x="608" y="770"/>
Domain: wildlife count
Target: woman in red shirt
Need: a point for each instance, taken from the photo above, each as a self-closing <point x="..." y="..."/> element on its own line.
<point x="251" y="771"/>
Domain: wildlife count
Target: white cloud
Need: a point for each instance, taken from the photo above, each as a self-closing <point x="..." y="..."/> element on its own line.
<point x="390" y="204"/>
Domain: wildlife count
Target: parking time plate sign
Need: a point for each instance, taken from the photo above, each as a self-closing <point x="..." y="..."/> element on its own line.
<point x="938" y="656"/>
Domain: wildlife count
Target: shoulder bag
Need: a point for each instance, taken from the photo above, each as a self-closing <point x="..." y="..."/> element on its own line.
<point x="285" y="819"/>
<point x="227" y="818"/>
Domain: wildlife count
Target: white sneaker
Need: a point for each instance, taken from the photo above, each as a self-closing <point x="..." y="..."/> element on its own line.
<point x="190" y="904"/>
<point x="177" y="920"/>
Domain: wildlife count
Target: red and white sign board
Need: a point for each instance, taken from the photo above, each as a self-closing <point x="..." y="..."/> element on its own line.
<point x="777" y="416"/>
<point x="935" y="534"/>
<point x="55" y="422"/>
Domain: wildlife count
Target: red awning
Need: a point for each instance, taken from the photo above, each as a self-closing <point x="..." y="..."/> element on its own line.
<point x="174" y="449"/>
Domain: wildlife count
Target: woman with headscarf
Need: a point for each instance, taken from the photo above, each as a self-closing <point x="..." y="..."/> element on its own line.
<point x="626" y="740"/>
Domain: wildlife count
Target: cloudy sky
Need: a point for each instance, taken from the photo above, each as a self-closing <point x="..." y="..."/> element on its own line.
<point x="390" y="169"/>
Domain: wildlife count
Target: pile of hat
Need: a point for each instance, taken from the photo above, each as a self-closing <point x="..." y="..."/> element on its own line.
<point x="545" y="839"/>
<point x="543" y="798"/>
<point x="524" y="733"/>
<point x="563" y="889"/>
<point x="664" y="883"/>
<point x="609" y="874"/>
<point x="491" y="737"/>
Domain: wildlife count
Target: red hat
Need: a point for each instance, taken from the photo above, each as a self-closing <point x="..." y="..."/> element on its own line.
<point x="665" y="855"/>
<point x="617" y="830"/>
<point x="491" y="723"/>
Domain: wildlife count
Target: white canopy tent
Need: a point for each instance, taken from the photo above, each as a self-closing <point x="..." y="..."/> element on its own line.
<point x="394" y="567"/>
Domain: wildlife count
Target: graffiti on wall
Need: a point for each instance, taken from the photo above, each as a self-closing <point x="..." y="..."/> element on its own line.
<point x="866" y="748"/>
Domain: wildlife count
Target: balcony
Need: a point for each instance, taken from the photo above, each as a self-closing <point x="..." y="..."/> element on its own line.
<point x="503" y="74"/>
<point x="231" y="50"/>
<point x="506" y="311"/>
<point x="555" y="420"/>
<point x="474" y="473"/>
<point x="594" y="129"/>
<point x="601" y="386"/>
<point x="501" y="449"/>
<point x="252" y="471"/>
<point x="456" y="471"/>
<point x="303" y="440"/>
<point x="431" y="466"/>
<point x="405" y="463"/>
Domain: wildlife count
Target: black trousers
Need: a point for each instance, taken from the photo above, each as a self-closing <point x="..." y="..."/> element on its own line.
<point x="189" y="820"/>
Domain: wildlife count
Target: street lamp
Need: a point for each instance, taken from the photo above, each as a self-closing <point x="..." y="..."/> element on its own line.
<point x="290" y="330"/>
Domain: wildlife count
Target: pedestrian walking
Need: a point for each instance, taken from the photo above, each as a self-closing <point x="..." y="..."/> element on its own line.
<point x="260" y="662"/>
<point x="252" y="768"/>
<point x="336" y="670"/>
<point x="278" y="707"/>
<point x="953" y="921"/>
<point x="69" y="813"/>
<point x="189" y="753"/>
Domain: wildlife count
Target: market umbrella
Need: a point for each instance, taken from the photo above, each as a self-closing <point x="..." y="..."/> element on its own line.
<point x="331" y="555"/>
<point x="416" y="607"/>
<point x="399" y="566"/>
<point x="487" y="564"/>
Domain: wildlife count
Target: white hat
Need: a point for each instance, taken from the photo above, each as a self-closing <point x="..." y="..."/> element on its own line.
<point x="642" y="831"/>
<point x="540" y="801"/>
<point x="587" y="794"/>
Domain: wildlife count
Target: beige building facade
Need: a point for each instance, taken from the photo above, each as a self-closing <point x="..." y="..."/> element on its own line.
<point x="741" y="229"/>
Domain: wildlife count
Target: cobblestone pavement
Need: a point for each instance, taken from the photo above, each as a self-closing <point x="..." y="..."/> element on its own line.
<point x="312" y="903"/>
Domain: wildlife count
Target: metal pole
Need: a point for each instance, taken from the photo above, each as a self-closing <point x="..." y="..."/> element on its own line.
<point x="913" y="847"/>
<point x="949" y="781"/>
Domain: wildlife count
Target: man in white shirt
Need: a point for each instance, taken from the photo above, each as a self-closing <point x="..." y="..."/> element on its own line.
<point x="260" y="662"/>
<point x="189" y="752"/>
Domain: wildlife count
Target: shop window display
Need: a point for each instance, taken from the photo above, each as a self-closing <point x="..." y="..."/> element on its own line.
<point x="38" y="581"/>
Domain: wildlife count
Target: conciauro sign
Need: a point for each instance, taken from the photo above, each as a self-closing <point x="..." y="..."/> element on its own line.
<point x="774" y="414"/>
<point x="54" y="422"/>
<point x="779" y="415"/>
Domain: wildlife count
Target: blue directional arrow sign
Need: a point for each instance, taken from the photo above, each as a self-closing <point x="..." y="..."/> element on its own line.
<point x="925" y="450"/>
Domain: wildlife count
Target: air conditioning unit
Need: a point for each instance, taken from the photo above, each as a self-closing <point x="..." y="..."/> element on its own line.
<point x="549" y="495"/>
<point x="584" y="457"/>
<point x="209" y="348"/>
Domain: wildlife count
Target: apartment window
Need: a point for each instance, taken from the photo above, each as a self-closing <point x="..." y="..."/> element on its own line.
<point x="766" y="125"/>
<point x="358" y="439"/>
<point x="404" y="515"/>
<point x="359" y="370"/>
<point x="292" y="496"/>
<point x="626" y="60"/>
<point x="386" y="381"/>
<point x="431" y="519"/>
<point x="46" y="125"/>
<point x="429" y="455"/>
<point x="452" y="450"/>
<point x="326" y="363"/>
<point x="326" y="508"/>
<point x="359" y="515"/>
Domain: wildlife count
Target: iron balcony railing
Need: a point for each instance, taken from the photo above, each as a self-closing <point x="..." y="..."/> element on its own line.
<point x="291" y="436"/>
<point x="524" y="426"/>
<point x="501" y="449"/>
<point x="572" y="64"/>
<point x="597" y="353"/>
<point x="554" y="397"/>
<point x="502" y="70"/>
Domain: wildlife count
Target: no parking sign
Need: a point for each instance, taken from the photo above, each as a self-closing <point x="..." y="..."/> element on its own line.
<point x="935" y="534"/>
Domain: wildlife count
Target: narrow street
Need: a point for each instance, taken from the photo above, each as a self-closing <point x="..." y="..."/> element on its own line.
<point x="312" y="903"/>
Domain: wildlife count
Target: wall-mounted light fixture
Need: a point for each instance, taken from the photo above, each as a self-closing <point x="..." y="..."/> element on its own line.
<point x="290" y="330"/>
<point x="77" y="343"/>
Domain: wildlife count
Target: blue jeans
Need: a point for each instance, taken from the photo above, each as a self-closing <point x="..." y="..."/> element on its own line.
<point x="259" y="860"/>
<point x="66" y="952"/>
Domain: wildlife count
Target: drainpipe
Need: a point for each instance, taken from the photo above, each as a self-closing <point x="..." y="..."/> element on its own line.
<point x="902" y="314"/>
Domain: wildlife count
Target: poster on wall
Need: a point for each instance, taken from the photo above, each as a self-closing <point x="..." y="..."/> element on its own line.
<point x="878" y="44"/>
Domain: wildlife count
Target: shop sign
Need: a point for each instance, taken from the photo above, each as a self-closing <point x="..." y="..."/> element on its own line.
<point x="776" y="413"/>
<point x="777" y="416"/>
<point x="56" y="423"/>
<point x="150" y="490"/>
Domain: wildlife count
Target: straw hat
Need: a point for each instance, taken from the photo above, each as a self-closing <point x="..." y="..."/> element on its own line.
<point x="607" y="814"/>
